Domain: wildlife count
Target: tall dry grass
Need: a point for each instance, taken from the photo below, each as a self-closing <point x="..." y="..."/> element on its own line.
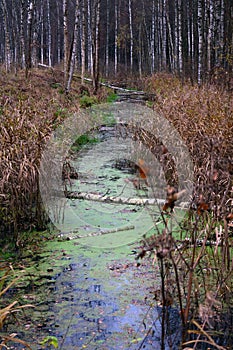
<point x="203" y="115"/>
<point x="195" y="258"/>
<point x="29" y="111"/>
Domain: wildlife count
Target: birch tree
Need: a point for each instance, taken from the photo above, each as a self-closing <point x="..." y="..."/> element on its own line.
<point x="95" y="44"/>
<point x="83" y="40"/>
<point x="191" y="37"/>
<point x="7" y="48"/>
<point x="59" y="33"/>
<point x="107" y="38"/>
<point x="152" y="40"/>
<point x="116" y="39"/>
<point x="22" y="37"/>
<point x="200" y="41"/>
<point x="49" y="38"/>
<point x="29" y="36"/>
<point x="131" y="34"/>
<point x="89" y="37"/>
<point x="66" y="41"/>
<point x="72" y="58"/>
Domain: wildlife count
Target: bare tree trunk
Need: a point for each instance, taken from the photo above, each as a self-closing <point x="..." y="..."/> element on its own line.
<point x="170" y="40"/>
<point x="131" y="35"/>
<point x="157" y="37"/>
<point x="228" y="40"/>
<point x="221" y="25"/>
<point x="66" y="40"/>
<point x="191" y="41"/>
<point x="184" y="37"/>
<point x="153" y="38"/>
<point x="209" y="35"/>
<point x="42" y="34"/>
<point x="89" y="34"/>
<point x="115" y="39"/>
<point x="29" y="36"/>
<point x="140" y="51"/>
<point x="187" y="36"/>
<point x="49" y="35"/>
<point x="164" y="34"/>
<point x="71" y="64"/>
<point x="83" y="42"/>
<point x="96" y="40"/>
<point x="16" y="36"/>
<point x="7" y="38"/>
<point x="195" y="39"/>
<point x="59" y="49"/>
<point x="200" y="41"/>
<point x="22" y="38"/>
<point x="107" y="39"/>
<point x="35" y="34"/>
<point x="179" y="38"/>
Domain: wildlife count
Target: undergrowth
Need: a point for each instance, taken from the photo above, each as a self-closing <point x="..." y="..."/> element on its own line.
<point x="195" y="260"/>
<point x="196" y="279"/>
<point x="30" y="109"/>
<point x="203" y="116"/>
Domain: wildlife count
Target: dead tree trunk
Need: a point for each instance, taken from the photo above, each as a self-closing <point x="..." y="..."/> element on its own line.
<point x="96" y="39"/>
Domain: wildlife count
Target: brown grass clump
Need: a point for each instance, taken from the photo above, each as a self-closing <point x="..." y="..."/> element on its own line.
<point x="29" y="111"/>
<point x="204" y="118"/>
<point x="195" y="258"/>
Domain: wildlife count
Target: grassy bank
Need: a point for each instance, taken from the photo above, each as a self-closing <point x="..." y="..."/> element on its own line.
<point x="203" y="116"/>
<point x="30" y="109"/>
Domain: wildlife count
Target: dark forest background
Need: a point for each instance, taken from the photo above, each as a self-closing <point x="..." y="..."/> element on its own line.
<point x="192" y="38"/>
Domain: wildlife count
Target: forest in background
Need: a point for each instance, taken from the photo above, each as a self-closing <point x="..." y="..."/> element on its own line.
<point x="115" y="38"/>
<point x="180" y="52"/>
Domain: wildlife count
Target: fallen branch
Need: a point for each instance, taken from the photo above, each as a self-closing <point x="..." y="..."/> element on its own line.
<point x="41" y="65"/>
<point x="89" y="80"/>
<point x="101" y="232"/>
<point x="111" y="199"/>
<point x="113" y="87"/>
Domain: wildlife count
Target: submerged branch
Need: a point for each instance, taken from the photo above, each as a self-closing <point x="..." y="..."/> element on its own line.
<point x="102" y="232"/>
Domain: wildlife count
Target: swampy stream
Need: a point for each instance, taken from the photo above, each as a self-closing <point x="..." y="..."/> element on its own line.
<point x="87" y="288"/>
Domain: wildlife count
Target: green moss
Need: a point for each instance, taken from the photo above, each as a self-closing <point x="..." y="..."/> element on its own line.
<point x="109" y="119"/>
<point x="61" y="112"/>
<point x="56" y="85"/>
<point x="87" y="101"/>
<point x="112" y="98"/>
<point x="82" y="141"/>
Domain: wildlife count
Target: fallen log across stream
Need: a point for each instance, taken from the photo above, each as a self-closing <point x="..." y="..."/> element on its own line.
<point x="123" y="93"/>
<point x="110" y="199"/>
